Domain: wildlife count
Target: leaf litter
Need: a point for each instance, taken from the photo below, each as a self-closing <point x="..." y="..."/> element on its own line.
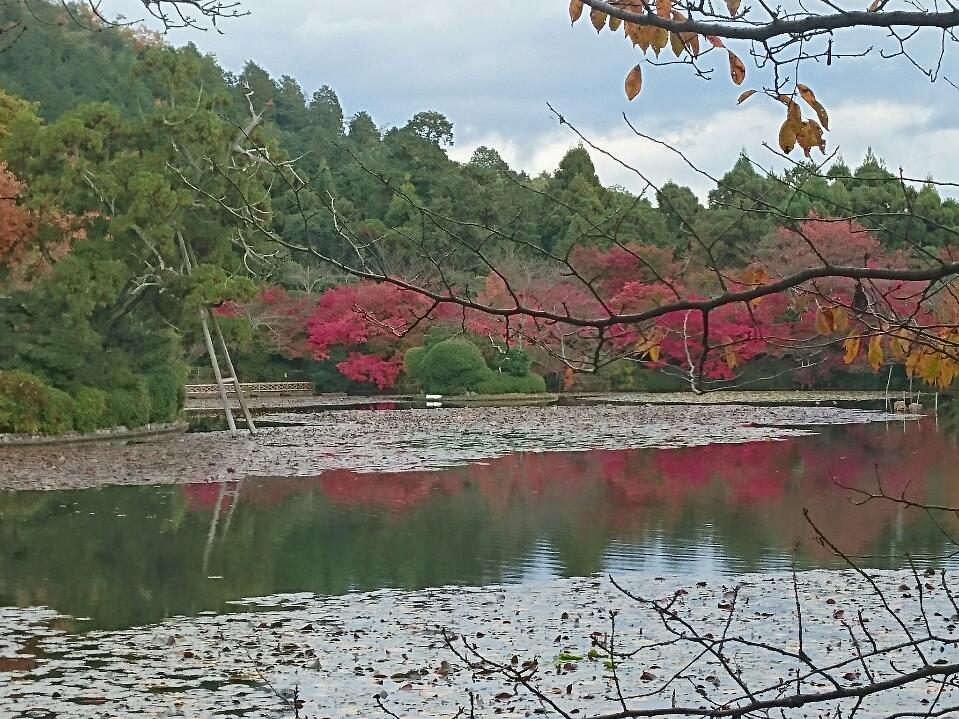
<point x="408" y="440"/>
<point x="343" y="653"/>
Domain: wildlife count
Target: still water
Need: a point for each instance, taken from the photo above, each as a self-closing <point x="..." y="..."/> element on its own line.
<point x="127" y="556"/>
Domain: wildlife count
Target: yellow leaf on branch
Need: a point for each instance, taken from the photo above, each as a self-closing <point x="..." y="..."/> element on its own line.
<point x="840" y="319"/>
<point x="929" y="367"/>
<point x="732" y="361"/>
<point x="851" y="349"/>
<point x="874" y="354"/>
<point x="947" y="373"/>
<point x="824" y="322"/>
<point x="660" y="39"/>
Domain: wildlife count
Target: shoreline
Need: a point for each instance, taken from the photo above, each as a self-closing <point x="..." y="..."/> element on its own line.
<point x="109" y="435"/>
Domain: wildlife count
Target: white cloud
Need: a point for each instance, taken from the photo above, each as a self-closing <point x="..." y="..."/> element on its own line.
<point x="492" y="66"/>
<point x="713" y="143"/>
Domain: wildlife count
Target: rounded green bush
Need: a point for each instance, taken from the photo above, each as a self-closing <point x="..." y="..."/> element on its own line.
<point x="452" y="366"/>
<point x="502" y="383"/>
<point x="440" y="332"/>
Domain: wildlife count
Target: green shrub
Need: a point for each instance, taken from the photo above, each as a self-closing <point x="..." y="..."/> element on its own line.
<point x="413" y="362"/>
<point x="166" y="388"/>
<point x="58" y="413"/>
<point x="514" y="361"/>
<point x="23" y="399"/>
<point x="440" y="332"/>
<point x="28" y="406"/>
<point x="92" y="410"/>
<point x="452" y="366"/>
<point x="131" y="407"/>
<point x="626" y="376"/>
<point x="502" y="383"/>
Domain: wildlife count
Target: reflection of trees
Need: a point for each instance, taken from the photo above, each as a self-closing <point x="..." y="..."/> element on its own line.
<point x="475" y="524"/>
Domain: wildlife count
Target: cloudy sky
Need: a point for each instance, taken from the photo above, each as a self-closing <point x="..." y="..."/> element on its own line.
<point x="493" y="66"/>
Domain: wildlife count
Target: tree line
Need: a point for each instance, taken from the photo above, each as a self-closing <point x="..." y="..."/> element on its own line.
<point x="122" y="156"/>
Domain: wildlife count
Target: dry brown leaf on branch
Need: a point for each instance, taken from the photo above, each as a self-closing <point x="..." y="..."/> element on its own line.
<point x="660" y="39"/>
<point x="810" y="136"/>
<point x="737" y="70"/>
<point x="598" y="18"/>
<point x="575" y="10"/>
<point x="676" y="43"/>
<point x="648" y="36"/>
<point x="787" y="137"/>
<point x="810" y="99"/>
<point x="634" y="82"/>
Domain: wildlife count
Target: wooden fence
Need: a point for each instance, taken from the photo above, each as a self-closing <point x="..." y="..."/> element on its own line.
<point x="254" y="389"/>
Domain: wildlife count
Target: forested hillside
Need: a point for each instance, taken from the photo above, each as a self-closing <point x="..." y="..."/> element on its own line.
<point x="116" y="154"/>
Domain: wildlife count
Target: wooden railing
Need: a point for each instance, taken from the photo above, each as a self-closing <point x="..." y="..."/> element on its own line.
<point x="253" y="389"/>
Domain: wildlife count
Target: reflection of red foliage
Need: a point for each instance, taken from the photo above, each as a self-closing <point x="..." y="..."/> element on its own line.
<point x="395" y="491"/>
<point x="205" y="496"/>
<point x="630" y="491"/>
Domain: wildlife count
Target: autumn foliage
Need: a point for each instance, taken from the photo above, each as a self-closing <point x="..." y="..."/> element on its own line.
<point x="31" y="241"/>
<point x="822" y="327"/>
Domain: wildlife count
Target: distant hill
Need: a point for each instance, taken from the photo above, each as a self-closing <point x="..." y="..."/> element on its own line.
<point x="61" y="62"/>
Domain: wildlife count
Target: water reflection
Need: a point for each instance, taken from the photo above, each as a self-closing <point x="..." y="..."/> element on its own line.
<point x="131" y="555"/>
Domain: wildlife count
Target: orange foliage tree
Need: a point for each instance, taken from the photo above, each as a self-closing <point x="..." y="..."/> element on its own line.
<point x="31" y="240"/>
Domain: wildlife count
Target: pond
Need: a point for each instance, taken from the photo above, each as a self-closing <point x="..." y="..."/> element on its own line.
<point x="201" y="576"/>
<point x="410" y="500"/>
